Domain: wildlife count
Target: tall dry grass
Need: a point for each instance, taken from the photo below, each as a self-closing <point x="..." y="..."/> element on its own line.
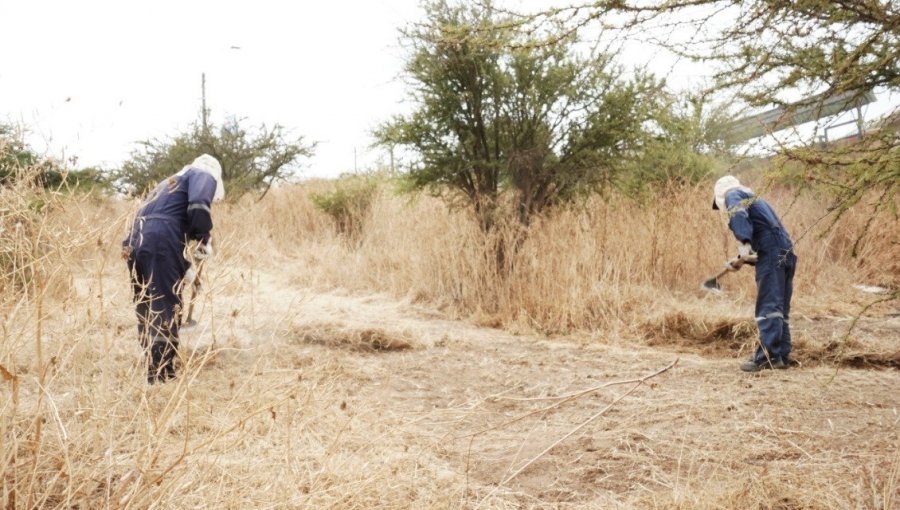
<point x="599" y="265"/>
<point x="79" y="428"/>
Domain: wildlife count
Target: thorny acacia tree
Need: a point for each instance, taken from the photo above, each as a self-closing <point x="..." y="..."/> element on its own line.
<point x="252" y="160"/>
<point x="774" y="52"/>
<point x="494" y="112"/>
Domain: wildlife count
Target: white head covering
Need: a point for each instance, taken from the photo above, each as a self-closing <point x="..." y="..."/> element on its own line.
<point x="723" y="186"/>
<point x="210" y="165"/>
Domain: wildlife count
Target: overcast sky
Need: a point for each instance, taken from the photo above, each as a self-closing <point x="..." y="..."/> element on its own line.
<point x="92" y="77"/>
<point x="89" y="78"/>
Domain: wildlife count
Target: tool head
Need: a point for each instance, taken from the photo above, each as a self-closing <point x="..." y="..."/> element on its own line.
<point x="711" y="285"/>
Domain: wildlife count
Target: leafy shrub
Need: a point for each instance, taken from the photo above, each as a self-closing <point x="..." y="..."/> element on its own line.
<point x="348" y="203"/>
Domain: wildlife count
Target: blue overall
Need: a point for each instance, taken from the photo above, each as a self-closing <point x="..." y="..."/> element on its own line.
<point x="177" y="210"/>
<point x="753" y="220"/>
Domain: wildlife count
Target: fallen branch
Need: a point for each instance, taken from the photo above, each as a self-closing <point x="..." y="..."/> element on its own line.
<point x="637" y="383"/>
<point x="562" y="399"/>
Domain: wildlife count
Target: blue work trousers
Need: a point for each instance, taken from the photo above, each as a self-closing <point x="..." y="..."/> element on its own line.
<point x="774" y="283"/>
<point x="157" y="267"/>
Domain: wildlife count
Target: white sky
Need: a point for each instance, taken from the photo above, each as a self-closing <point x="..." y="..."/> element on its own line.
<point x="90" y="78"/>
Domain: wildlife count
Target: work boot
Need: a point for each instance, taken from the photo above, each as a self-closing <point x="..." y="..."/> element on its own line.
<point x="161" y="363"/>
<point x="168" y="369"/>
<point x="756" y="366"/>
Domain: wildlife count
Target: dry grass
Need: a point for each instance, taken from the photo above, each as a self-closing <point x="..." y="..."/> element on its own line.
<point x="282" y="404"/>
<point x="363" y="339"/>
<point x="600" y="265"/>
<point x="715" y="335"/>
<point x="617" y="267"/>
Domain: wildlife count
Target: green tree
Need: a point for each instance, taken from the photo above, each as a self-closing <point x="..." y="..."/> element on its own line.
<point x="252" y="159"/>
<point x="496" y="112"/>
<point x="684" y="146"/>
<point x="774" y="52"/>
<point x="19" y="161"/>
<point x="766" y="49"/>
<point x="16" y="156"/>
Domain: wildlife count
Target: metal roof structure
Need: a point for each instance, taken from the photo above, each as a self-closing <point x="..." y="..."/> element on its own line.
<point x="808" y="110"/>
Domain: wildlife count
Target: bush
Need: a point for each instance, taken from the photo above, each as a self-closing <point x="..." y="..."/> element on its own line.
<point x="663" y="164"/>
<point x="348" y="203"/>
<point x="85" y="180"/>
<point x="251" y="159"/>
<point x="19" y="161"/>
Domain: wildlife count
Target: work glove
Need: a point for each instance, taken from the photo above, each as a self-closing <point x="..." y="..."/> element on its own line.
<point x="203" y="251"/>
<point x="191" y="277"/>
<point x="746" y="254"/>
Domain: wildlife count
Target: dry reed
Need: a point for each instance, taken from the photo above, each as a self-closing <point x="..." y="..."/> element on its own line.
<point x="613" y="265"/>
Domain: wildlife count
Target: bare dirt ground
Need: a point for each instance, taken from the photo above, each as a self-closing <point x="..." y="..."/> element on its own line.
<point x="464" y="408"/>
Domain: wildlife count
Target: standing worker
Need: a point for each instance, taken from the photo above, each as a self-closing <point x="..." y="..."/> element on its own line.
<point x="763" y="242"/>
<point x="176" y="213"/>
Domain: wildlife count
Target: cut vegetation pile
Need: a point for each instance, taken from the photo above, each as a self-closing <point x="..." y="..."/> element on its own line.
<point x="361" y="339"/>
<point x="708" y="335"/>
<point x="867" y="344"/>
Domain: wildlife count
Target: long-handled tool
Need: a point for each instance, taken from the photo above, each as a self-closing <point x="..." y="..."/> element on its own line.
<point x="196" y="283"/>
<point x="712" y="284"/>
<point x="189" y="322"/>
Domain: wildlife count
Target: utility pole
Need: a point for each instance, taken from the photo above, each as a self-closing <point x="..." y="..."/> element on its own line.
<point x="203" y="102"/>
<point x="393" y="171"/>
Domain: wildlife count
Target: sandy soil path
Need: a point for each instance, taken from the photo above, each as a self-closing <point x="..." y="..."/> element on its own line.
<point x="468" y="402"/>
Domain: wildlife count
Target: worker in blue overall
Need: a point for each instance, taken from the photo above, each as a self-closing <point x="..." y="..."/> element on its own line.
<point x="175" y="215"/>
<point x="763" y="242"/>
